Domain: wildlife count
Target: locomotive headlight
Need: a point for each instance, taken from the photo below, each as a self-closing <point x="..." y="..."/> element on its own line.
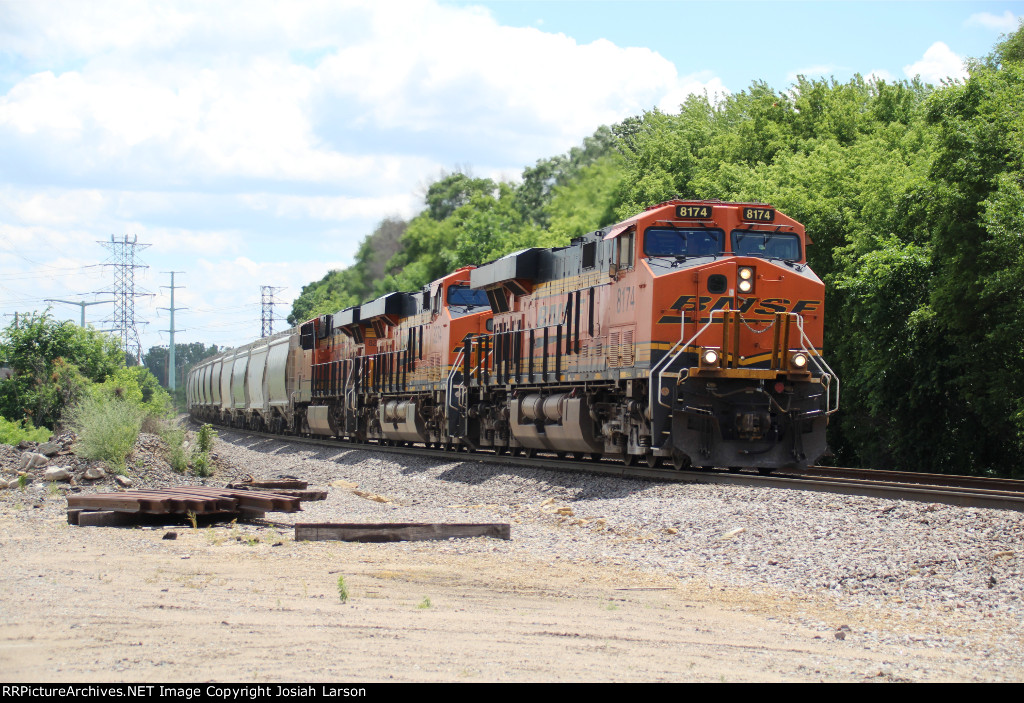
<point x="709" y="357"/>
<point x="746" y="282"/>
<point x="799" y="360"/>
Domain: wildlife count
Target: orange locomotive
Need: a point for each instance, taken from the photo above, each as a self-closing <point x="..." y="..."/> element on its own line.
<point x="691" y="333"/>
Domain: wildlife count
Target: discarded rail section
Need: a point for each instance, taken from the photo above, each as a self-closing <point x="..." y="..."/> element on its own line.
<point x="127" y="507"/>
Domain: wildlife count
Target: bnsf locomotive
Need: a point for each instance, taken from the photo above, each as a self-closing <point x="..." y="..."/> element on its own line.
<point x="690" y="333"/>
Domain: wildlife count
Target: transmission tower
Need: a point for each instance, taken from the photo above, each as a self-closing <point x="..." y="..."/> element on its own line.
<point x="122" y="259"/>
<point x="267" y="309"/>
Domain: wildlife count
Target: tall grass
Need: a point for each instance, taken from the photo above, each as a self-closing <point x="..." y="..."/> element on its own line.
<point x="107" y="429"/>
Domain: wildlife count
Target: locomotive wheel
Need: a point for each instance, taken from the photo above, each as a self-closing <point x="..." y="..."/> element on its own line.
<point x="735" y="469"/>
<point x="629" y="459"/>
<point x="501" y="450"/>
<point x="765" y="472"/>
<point x="529" y="452"/>
<point x="596" y="456"/>
<point x="679" y="461"/>
<point x="653" y="461"/>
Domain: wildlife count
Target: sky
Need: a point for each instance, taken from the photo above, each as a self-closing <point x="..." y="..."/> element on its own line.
<point x="256" y="143"/>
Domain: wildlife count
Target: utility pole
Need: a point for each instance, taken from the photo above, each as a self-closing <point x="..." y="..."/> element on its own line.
<point x="83" y="304"/>
<point x="122" y="259"/>
<point x="267" y="310"/>
<point x="170" y="360"/>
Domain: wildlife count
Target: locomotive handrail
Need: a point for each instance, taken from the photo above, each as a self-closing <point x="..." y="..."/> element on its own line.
<point x="669" y="358"/>
<point x="823" y="367"/>
<point x="450" y="383"/>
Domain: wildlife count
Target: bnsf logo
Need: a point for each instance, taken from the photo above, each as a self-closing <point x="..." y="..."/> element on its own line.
<point x="766" y="307"/>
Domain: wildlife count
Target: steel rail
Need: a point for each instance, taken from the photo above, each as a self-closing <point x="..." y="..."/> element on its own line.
<point x="899" y="486"/>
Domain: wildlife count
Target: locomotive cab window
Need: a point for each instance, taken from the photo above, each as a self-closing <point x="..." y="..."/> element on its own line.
<point x="768" y="245"/>
<point x="624" y="251"/>
<point x="669" y="241"/>
<point x="463" y="299"/>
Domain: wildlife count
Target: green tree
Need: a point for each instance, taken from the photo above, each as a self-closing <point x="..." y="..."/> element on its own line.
<point x="976" y="220"/>
<point x="341" y="289"/>
<point x="52" y="362"/>
<point x="185" y="357"/>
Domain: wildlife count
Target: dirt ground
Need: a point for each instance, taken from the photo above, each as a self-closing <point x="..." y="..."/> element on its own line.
<point x="238" y="603"/>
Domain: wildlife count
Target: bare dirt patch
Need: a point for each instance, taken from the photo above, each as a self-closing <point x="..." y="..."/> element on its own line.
<point x="247" y="603"/>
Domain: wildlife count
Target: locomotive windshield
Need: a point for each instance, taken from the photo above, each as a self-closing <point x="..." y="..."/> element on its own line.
<point x="669" y="241"/>
<point x="461" y="295"/>
<point x="770" y="245"/>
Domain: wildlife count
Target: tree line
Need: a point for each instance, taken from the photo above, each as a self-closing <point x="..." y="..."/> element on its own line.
<point x="913" y="195"/>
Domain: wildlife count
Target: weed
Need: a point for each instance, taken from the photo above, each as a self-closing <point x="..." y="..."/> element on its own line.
<point x="201" y="465"/>
<point x="178" y="458"/>
<point x="214" y="538"/>
<point x="424" y="604"/>
<point x="342" y="590"/>
<point x="193" y="520"/>
<point x="611" y="606"/>
<point x="22" y="481"/>
<point x="53" y="489"/>
<point x="107" y="429"/>
<point x="205" y="439"/>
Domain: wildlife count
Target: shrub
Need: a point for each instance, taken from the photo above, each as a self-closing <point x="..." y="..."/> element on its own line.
<point x="107" y="428"/>
<point x="14" y="432"/>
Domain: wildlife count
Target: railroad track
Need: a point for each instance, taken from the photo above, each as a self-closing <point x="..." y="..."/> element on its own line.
<point x="967" y="491"/>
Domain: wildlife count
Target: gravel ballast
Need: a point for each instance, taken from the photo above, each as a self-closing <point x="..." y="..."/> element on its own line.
<point x="896" y="557"/>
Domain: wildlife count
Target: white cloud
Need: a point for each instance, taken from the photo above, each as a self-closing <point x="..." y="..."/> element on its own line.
<point x="939" y="62"/>
<point x="1006" y="22"/>
<point x="186" y="93"/>
<point x="229" y="133"/>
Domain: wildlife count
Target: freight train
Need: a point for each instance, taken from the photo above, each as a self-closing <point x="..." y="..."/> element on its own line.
<point x="689" y="334"/>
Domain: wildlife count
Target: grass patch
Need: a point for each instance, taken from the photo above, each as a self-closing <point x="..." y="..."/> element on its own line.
<point x="424" y="604"/>
<point x="342" y="590"/>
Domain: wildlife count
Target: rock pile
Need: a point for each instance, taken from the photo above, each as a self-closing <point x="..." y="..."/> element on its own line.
<point x="55" y="462"/>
